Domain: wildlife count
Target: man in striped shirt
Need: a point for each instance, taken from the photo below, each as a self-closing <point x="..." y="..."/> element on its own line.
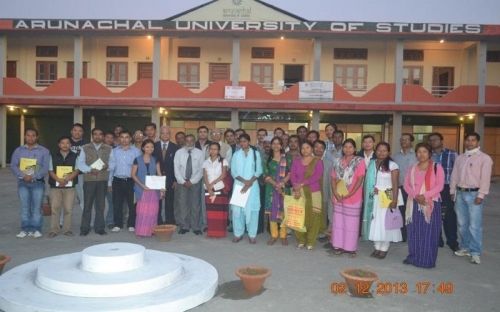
<point x="446" y="158"/>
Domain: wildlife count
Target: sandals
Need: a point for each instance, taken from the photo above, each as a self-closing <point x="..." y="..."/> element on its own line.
<point x="284" y="241"/>
<point x="375" y="254"/>
<point x="271" y="241"/>
<point x="237" y="239"/>
<point x="381" y="254"/>
<point x="252" y="241"/>
<point x="337" y="251"/>
<point x="52" y="234"/>
<point x="352" y="254"/>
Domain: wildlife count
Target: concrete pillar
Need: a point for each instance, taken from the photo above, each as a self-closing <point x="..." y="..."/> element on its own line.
<point x="170" y="61"/>
<point x="317" y="60"/>
<point x="235" y="119"/>
<point x="397" y="129"/>
<point x="481" y="85"/>
<point x="461" y="138"/>
<point x="78" y="114"/>
<point x="479" y="125"/>
<point x="235" y="66"/>
<point x="3" y="136"/>
<point x="77" y="64"/>
<point x="3" y="60"/>
<point x="21" y="129"/>
<point x="156" y="66"/>
<point x="155" y="116"/>
<point x="315" y="120"/>
<point x="398" y="72"/>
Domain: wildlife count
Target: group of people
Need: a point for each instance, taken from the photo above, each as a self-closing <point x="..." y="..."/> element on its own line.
<point x="346" y="193"/>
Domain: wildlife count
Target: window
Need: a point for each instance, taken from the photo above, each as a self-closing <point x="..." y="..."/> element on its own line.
<point x="144" y="70"/>
<point x="218" y="71"/>
<point x="263" y="53"/>
<point x="46" y="73"/>
<point x="189" y="52"/>
<point x="11" y="69"/>
<point x="112" y="51"/>
<point x="117" y="74"/>
<point x="351" y="77"/>
<point x="46" y="51"/>
<point x="70" y="70"/>
<point x="412" y="75"/>
<point x="188" y="75"/>
<point x="493" y="56"/>
<point x="413" y="55"/>
<point x="263" y="75"/>
<point x="350" y="54"/>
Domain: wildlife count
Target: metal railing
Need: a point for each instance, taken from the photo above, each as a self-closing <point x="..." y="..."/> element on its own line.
<point x="440" y="91"/>
<point x="117" y="83"/>
<point x="190" y="84"/>
<point x="44" y="82"/>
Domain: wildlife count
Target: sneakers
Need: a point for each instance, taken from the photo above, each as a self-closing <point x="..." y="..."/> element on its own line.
<point x="37" y="234"/>
<point x="462" y="253"/>
<point x="475" y="259"/>
<point x="22" y="234"/>
<point x="131" y="229"/>
<point x="115" y="229"/>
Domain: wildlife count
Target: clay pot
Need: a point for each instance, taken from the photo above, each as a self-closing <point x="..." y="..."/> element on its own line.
<point x="164" y="232"/>
<point x="359" y="281"/>
<point x="253" y="277"/>
<point x="3" y="261"/>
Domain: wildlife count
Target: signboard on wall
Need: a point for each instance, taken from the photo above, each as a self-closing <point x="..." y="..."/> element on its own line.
<point x="316" y="90"/>
<point x="234" y="93"/>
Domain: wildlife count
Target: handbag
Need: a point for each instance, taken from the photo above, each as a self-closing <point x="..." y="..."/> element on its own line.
<point x="228" y="181"/>
<point x="393" y="219"/>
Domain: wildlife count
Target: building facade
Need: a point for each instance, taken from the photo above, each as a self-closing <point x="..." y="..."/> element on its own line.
<point x="387" y="78"/>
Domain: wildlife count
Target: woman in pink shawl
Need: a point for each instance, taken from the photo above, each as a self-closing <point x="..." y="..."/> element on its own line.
<point x="423" y="182"/>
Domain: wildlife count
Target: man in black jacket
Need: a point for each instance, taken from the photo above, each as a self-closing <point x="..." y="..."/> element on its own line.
<point x="164" y="153"/>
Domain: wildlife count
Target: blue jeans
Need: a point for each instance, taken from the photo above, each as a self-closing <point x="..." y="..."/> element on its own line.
<point x="470" y="221"/>
<point x="31" y="197"/>
<point x="109" y="214"/>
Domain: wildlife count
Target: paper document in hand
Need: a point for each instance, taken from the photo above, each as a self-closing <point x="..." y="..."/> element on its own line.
<point x="155" y="182"/>
<point x="98" y="164"/>
<point x="239" y="199"/>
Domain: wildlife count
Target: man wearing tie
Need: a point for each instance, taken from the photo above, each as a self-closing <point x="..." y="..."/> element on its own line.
<point x="188" y="167"/>
<point x="164" y="152"/>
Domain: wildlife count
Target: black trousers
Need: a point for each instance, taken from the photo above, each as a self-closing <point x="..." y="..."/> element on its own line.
<point x="168" y="208"/>
<point x="449" y="218"/>
<point x="94" y="193"/>
<point x="403" y="212"/>
<point x="123" y="191"/>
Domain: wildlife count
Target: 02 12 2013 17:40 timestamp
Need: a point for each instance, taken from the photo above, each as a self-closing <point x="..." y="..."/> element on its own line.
<point x="385" y="288"/>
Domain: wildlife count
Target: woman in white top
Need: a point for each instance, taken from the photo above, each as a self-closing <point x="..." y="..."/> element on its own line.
<point x="386" y="180"/>
<point x="216" y="195"/>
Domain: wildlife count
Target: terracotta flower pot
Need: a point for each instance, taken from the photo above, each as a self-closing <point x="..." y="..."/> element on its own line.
<point x="253" y="277"/>
<point x="359" y="281"/>
<point x="3" y="261"/>
<point x="164" y="232"/>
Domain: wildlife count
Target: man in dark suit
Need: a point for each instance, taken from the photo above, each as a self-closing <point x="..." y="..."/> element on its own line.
<point x="164" y="152"/>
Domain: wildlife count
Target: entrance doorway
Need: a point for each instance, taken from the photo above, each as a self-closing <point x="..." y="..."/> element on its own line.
<point x="443" y="80"/>
<point x="144" y="71"/>
<point x="293" y="74"/>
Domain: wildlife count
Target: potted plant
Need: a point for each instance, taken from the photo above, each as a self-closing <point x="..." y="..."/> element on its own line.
<point x="3" y="261"/>
<point x="164" y="232"/>
<point x="253" y="277"/>
<point x="359" y="281"/>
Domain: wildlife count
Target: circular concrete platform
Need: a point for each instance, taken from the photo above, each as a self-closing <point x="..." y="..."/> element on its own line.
<point x="165" y="282"/>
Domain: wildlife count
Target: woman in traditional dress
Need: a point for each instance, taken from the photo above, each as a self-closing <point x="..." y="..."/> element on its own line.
<point x="386" y="180"/>
<point x="347" y="179"/>
<point x="306" y="175"/>
<point x="423" y="183"/>
<point x="216" y="199"/>
<point x="276" y="176"/>
<point x="147" y="200"/>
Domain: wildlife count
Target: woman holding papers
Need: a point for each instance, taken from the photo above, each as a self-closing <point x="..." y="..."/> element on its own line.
<point x="385" y="197"/>
<point x="306" y="176"/>
<point x="423" y="182"/>
<point x="147" y="199"/>
<point x="347" y="185"/>
<point x="246" y="168"/>
<point x="216" y="199"/>
<point x="276" y="176"/>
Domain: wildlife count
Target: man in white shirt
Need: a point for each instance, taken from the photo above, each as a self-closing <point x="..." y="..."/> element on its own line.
<point x="188" y="168"/>
<point x="225" y="149"/>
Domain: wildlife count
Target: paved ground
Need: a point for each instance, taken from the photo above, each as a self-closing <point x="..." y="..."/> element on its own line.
<point x="300" y="279"/>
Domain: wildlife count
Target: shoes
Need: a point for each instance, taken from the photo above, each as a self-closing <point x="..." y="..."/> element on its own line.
<point x="309" y="247"/>
<point x="101" y="232"/>
<point x="475" y="259"/>
<point x="406" y="261"/>
<point x="22" y="234"/>
<point x="381" y="255"/>
<point x="37" y="234"/>
<point x="454" y="248"/>
<point x="111" y="226"/>
<point x="131" y="229"/>
<point x="271" y="241"/>
<point x="237" y="239"/>
<point x="52" y="234"/>
<point x="115" y="229"/>
<point x="84" y="233"/>
<point x="30" y="234"/>
<point x="197" y="232"/>
<point x="462" y="253"/>
<point x="252" y="241"/>
<point x="183" y="231"/>
<point x="375" y="254"/>
<point x="337" y="251"/>
<point x="300" y="246"/>
<point x="69" y="233"/>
